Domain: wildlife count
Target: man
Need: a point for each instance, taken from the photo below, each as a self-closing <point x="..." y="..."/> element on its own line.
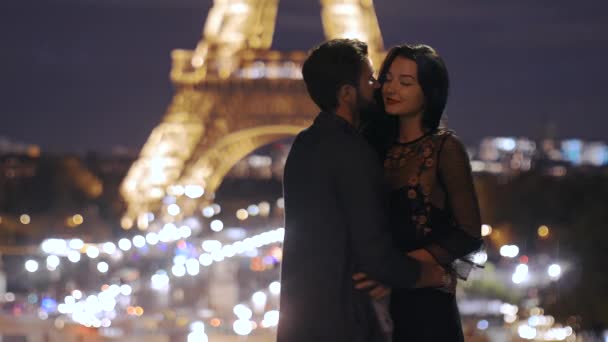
<point x="335" y="220"/>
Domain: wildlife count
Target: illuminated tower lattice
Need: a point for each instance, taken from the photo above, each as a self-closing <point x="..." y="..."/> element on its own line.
<point x="233" y="95"/>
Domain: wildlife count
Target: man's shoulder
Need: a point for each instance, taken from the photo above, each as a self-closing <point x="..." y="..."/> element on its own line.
<point x="323" y="134"/>
<point x="338" y="143"/>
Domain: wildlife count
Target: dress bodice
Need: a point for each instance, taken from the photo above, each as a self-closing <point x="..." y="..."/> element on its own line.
<point x="433" y="203"/>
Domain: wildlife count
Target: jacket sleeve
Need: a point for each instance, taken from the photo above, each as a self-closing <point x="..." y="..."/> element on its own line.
<point x="362" y="197"/>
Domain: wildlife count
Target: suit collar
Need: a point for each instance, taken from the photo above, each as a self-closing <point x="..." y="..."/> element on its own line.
<point x="328" y="118"/>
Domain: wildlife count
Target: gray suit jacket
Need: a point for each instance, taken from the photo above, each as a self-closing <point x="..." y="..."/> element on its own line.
<point x="335" y="225"/>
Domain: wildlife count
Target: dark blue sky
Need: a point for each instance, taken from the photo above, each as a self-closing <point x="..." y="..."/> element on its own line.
<point x="93" y="74"/>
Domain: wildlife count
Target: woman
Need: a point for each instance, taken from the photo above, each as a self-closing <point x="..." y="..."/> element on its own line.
<point x="434" y="209"/>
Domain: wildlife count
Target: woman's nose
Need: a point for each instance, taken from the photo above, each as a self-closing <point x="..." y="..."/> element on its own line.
<point x="387" y="88"/>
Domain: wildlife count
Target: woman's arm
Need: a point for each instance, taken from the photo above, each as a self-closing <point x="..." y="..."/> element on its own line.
<point x="455" y="176"/>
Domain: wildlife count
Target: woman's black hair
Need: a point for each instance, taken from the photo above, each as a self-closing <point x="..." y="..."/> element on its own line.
<point x="382" y="129"/>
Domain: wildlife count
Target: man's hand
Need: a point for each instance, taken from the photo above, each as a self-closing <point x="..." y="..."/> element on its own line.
<point x="376" y="290"/>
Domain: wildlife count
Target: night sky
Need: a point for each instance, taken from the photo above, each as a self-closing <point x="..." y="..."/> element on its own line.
<point x="81" y="75"/>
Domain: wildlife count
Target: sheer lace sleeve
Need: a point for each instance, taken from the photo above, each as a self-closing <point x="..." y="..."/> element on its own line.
<point x="464" y="234"/>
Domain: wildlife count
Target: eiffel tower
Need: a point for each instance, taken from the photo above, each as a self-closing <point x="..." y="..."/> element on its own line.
<point x="233" y="95"/>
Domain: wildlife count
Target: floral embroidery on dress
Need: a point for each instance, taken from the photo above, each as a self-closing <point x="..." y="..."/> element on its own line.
<point x="417" y="193"/>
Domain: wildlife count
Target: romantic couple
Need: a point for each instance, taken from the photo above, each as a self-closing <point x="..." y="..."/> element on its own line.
<point x="381" y="215"/>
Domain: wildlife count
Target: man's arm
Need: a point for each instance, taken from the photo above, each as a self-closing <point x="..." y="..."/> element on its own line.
<point x="360" y="192"/>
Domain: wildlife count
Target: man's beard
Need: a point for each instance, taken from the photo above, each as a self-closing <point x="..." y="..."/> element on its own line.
<point x="366" y="109"/>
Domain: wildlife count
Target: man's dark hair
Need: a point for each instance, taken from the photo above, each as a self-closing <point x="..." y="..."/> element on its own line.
<point x="331" y="65"/>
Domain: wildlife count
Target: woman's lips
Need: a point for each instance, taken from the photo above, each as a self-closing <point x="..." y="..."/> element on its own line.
<point x="390" y="101"/>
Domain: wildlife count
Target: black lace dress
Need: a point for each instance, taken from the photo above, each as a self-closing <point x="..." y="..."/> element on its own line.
<point x="433" y="206"/>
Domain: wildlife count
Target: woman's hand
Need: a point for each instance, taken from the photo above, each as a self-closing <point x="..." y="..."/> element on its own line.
<point x="422" y="255"/>
<point x="430" y="271"/>
<point x="432" y="275"/>
<point x="376" y="290"/>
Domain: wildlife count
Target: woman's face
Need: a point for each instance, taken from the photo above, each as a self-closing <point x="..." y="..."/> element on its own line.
<point x="401" y="92"/>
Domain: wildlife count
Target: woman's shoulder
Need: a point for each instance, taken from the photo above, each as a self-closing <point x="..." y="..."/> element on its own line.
<point x="444" y="135"/>
<point x="449" y="141"/>
<point x="444" y="132"/>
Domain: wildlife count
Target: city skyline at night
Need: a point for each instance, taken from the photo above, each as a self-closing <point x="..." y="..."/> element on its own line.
<point x="97" y="72"/>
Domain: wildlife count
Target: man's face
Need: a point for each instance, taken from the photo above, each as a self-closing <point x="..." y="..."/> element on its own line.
<point x="365" y="92"/>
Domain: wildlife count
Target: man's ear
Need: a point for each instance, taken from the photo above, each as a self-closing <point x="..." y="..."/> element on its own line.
<point x="346" y="93"/>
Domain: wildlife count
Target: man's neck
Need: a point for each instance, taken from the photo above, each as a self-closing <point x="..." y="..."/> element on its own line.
<point x="347" y="115"/>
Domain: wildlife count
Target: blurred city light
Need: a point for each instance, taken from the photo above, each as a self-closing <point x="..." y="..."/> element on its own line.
<point x="77" y="294"/>
<point x="173" y="209"/>
<point x="275" y="288"/>
<point x="526" y="332"/>
<point x="192" y="267"/>
<point x="103" y="267"/>
<point x="178" y="270"/>
<point x="242" y="312"/>
<point x="25" y="219"/>
<point x="259" y="301"/>
<point x="124" y="244"/>
<point x="160" y="280"/>
<point x="486" y="229"/>
<point x="184" y="232"/>
<point x="52" y="262"/>
<point x="554" y="271"/>
<point x="208" y="211"/>
<point x="242" y="214"/>
<point x="197" y="336"/>
<point x="242" y="327"/>
<point x="139" y="241"/>
<point x="264" y="208"/>
<point x="509" y="251"/>
<point x="211" y="245"/>
<point x="521" y="274"/>
<point x="74" y="244"/>
<point x="126" y="290"/>
<point x="194" y="191"/>
<point x="74" y="256"/>
<point x="205" y="259"/>
<point x="31" y="266"/>
<point x="482" y="325"/>
<point x="480" y="258"/>
<point x="253" y="210"/>
<point x="217" y="225"/>
<point x="92" y="251"/>
<point x="271" y="319"/>
<point x="543" y="231"/>
<point x="152" y="238"/>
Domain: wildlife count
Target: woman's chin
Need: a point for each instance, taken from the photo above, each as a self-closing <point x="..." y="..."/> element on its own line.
<point x="391" y="112"/>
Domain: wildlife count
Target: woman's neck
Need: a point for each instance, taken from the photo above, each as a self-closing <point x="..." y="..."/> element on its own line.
<point x="410" y="128"/>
